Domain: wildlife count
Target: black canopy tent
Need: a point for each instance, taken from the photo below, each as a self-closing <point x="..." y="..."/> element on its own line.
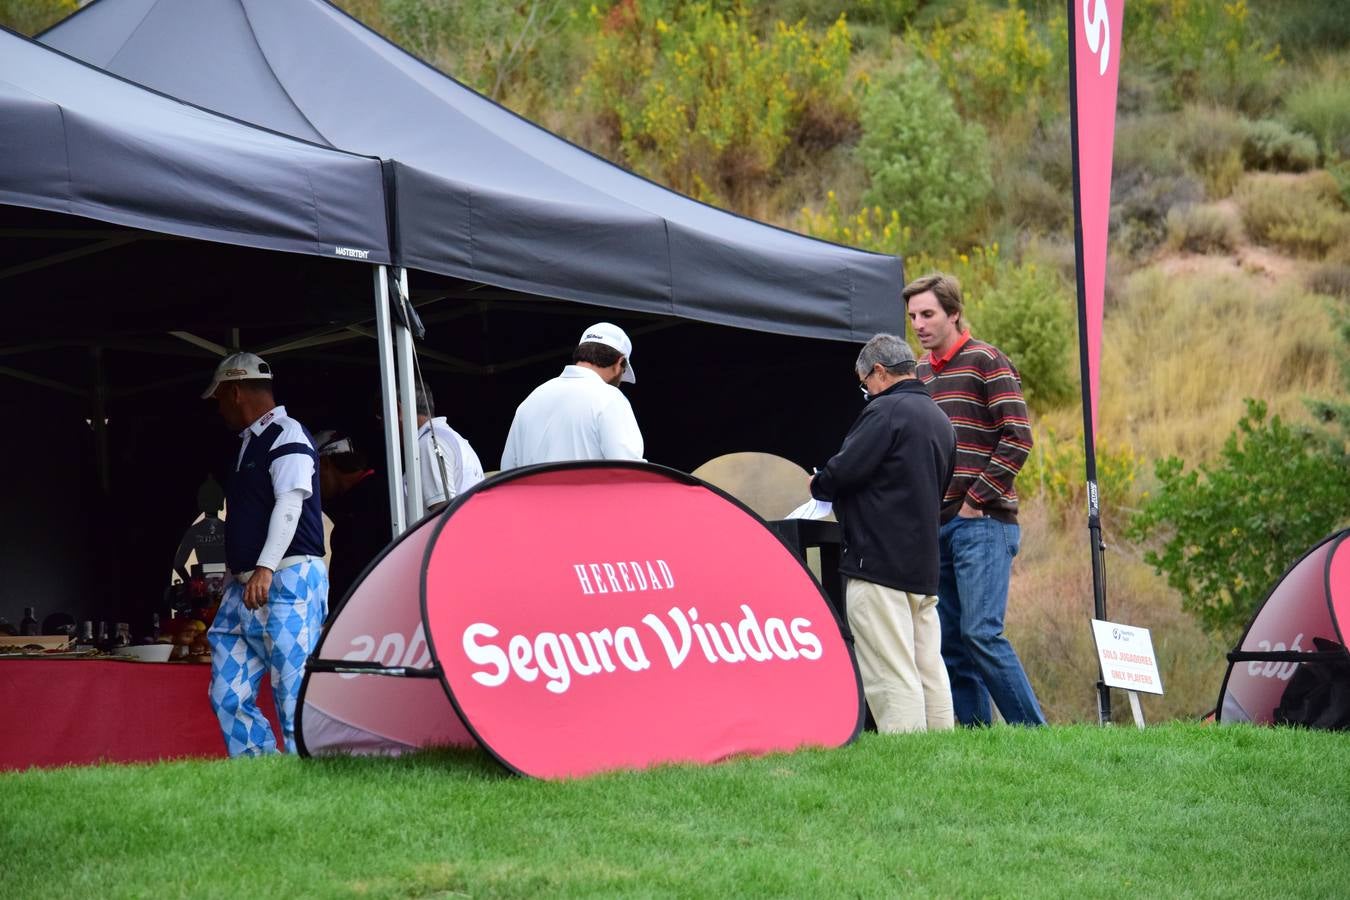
<point x="479" y="193"/>
<point x="506" y="209"/>
<point x="111" y="321"/>
<point x="112" y="200"/>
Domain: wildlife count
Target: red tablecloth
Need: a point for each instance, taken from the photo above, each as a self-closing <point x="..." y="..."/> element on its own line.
<point x="79" y="711"/>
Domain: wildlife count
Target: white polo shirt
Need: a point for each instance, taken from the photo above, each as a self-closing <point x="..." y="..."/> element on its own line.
<point x="459" y="460"/>
<point x="292" y="472"/>
<point x="574" y="416"/>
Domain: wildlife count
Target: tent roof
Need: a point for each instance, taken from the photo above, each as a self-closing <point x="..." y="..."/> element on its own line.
<point x="77" y="140"/>
<point x="482" y="194"/>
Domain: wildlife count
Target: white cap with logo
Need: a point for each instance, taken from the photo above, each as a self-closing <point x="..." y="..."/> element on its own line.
<point x="238" y="367"/>
<point x="612" y="336"/>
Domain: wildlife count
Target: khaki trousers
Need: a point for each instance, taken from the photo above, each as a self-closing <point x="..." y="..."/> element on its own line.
<point x="898" y="641"/>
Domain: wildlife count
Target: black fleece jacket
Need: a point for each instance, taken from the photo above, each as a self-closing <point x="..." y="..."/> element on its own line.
<point x="886" y="483"/>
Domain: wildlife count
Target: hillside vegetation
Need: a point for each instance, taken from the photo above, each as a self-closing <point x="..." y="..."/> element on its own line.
<point x="939" y="131"/>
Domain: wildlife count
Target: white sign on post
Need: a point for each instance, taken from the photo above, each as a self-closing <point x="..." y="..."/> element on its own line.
<point x="1125" y="653"/>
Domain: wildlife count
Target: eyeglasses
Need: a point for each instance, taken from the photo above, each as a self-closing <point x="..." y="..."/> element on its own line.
<point x="862" y="384"/>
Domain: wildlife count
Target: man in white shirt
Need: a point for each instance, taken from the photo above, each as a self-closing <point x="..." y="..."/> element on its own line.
<point x="581" y="414"/>
<point x="447" y="458"/>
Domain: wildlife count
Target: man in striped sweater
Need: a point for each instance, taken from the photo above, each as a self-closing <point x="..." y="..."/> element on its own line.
<point x="980" y="391"/>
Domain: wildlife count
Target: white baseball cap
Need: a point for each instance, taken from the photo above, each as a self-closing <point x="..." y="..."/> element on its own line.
<point x="238" y="367"/>
<point x="612" y="336"/>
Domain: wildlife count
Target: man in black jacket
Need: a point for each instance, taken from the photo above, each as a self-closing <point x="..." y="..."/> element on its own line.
<point x="886" y="483"/>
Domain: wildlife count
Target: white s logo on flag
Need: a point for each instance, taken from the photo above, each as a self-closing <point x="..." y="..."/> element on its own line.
<point x="1097" y="29"/>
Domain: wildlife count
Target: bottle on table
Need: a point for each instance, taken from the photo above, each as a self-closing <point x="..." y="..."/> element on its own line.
<point x="86" y="639"/>
<point x="104" y="640"/>
<point x="29" y="623"/>
<point x="122" y="637"/>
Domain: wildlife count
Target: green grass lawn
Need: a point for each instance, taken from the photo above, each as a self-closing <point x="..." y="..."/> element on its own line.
<point x="1177" y="810"/>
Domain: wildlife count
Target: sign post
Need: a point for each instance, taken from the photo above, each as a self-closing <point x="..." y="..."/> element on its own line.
<point x="1125" y="653"/>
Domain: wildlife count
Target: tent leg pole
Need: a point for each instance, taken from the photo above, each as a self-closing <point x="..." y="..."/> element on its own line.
<point x="407" y="396"/>
<point x="388" y="402"/>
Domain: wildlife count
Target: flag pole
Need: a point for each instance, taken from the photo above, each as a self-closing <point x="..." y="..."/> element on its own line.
<point x="1094" y="522"/>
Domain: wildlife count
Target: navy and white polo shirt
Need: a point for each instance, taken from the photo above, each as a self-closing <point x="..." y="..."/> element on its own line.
<point x="277" y="457"/>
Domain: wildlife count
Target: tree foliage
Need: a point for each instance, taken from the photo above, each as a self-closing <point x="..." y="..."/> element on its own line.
<point x="922" y="159"/>
<point x="697" y="98"/>
<point x="995" y="62"/>
<point x="1229" y="530"/>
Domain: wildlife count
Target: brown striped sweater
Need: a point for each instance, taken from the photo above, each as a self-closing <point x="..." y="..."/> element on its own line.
<point x="980" y="391"/>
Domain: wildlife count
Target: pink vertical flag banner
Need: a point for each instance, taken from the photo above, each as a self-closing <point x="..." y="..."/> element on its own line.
<point x="1094" y="69"/>
<point x="1094" y="60"/>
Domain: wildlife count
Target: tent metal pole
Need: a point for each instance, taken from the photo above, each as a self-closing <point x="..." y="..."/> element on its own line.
<point x="407" y="377"/>
<point x="194" y="340"/>
<point x="388" y="402"/>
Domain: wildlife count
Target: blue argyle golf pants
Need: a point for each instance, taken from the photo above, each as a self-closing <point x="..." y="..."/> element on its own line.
<point x="278" y="637"/>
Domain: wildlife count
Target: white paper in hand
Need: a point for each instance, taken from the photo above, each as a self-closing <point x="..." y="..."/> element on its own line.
<point x="811" y="509"/>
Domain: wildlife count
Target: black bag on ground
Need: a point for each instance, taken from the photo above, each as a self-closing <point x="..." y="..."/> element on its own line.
<point x="1318" y="696"/>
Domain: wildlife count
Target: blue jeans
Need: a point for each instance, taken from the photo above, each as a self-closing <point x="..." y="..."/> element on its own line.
<point x="976" y="562"/>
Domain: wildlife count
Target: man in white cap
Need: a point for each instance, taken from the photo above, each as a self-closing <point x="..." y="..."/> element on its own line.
<point x="581" y="414"/>
<point x="275" y="604"/>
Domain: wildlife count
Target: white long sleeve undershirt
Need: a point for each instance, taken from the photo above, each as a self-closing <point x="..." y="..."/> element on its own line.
<point x="281" y="527"/>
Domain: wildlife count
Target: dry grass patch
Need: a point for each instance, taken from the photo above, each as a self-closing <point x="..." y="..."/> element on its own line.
<point x="1180" y="352"/>
<point x="1050" y="605"/>
<point x="1303" y="215"/>
<point x="1203" y="228"/>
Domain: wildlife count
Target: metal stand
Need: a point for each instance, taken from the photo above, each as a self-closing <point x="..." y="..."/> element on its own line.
<point x="1136" y="708"/>
<point x="388" y="402"/>
<point x="412" y="470"/>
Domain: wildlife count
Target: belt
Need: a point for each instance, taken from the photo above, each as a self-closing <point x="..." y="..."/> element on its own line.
<point x="285" y="563"/>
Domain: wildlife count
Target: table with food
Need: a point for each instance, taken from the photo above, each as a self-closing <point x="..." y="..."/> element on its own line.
<point x="107" y="692"/>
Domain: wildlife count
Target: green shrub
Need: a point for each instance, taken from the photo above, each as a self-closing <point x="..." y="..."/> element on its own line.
<point x="922" y="159"/>
<point x="1302" y="215"/>
<point x="1299" y="26"/>
<point x="1029" y="315"/>
<point x="1272" y="147"/>
<point x="704" y="103"/>
<point x="893" y="14"/>
<point x="1206" y="49"/>
<point x="1331" y="279"/>
<point x="1202" y="229"/>
<point x="1321" y="108"/>
<point x="869" y="228"/>
<point x="1210" y="139"/>
<point x="1056" y="471"/>
<point x="1140" y="202"/>
<point x="31" y="16"/>
<point x="1148" y="143"/>
<point x="1032" y="203"/>
<point x="1339" y="170"/>
<point x="995" y="62"/>
<point x="1229" y="531"/>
